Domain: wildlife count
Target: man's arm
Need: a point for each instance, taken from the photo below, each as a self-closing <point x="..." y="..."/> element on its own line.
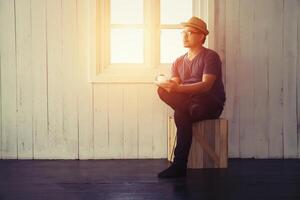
<point x="196" y="88"/>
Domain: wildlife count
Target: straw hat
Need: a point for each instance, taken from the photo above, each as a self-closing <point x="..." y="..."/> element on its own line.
<point x="196" y="23"/>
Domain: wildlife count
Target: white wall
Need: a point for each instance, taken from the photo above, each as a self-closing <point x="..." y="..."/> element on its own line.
<point x="49" y="110"/>
<point x="262" y="69"/>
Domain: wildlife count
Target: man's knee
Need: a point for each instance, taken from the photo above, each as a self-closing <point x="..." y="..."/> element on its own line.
<point x="161" y="92"/>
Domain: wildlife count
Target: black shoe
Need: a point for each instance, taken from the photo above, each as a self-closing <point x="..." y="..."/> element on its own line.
<point x="173" y="172"/>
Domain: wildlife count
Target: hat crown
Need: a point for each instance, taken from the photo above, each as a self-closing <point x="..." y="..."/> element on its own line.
<point x="197" y="21"/>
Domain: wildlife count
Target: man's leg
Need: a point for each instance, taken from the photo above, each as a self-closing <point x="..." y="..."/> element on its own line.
<point x="184" y="141"/>
<point x="184" y="135"/>
<point x="177" y="101"/>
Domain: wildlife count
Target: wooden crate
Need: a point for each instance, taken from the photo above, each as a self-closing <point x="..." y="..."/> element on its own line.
<point x="209" y="145"/>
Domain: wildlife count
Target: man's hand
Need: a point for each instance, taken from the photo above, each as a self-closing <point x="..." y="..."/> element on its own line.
<point x="169" y="86"/>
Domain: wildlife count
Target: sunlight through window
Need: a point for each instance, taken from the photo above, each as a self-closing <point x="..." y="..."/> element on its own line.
<point x="127" y="11"/>
<point x="175" y="11"/>
<point x="127" y="46"/>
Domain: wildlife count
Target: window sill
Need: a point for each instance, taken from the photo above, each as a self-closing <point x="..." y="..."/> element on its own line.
<point x="129" y="75"/>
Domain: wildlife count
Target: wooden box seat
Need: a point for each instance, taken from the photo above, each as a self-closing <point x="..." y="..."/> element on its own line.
<point x="209" y="145"/>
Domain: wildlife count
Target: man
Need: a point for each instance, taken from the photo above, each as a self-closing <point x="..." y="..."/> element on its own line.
<point x="195" y="91"/>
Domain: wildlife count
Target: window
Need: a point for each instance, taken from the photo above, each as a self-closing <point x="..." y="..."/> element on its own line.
<point x="135" y="40"/>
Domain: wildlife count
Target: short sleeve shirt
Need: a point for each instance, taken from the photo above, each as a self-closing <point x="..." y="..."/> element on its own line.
<point x="191" y="71"/>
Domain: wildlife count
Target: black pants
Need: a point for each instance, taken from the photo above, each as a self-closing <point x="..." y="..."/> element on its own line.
<point x="189" y="109"/>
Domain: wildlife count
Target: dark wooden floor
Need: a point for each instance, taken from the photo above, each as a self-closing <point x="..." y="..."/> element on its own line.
<point x="136" y="179"/>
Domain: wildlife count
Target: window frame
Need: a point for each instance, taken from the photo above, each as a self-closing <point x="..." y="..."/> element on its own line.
<point x="100" y="70"/>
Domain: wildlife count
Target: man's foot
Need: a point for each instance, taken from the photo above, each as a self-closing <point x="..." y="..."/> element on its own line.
<point x="173" y="172"/>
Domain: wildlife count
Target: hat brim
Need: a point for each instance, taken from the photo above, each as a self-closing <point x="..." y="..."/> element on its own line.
<point x="204" y="31"/>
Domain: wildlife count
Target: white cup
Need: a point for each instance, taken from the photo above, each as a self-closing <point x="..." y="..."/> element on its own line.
<point x="161" y="78"/>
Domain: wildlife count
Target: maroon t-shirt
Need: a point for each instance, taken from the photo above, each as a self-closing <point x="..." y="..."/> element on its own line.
<point x="191" y="71"/>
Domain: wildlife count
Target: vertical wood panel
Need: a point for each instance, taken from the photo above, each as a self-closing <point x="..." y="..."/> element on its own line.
<point x="289" y="78"/>
<point x="246" y="77"/>
<point x="39" y="81"/>
<point x="298" y="80"/>
<point x="219" y="34"/>
<point x="261" y="81"/>
<point x="24" y="79"/>
<point x="274" y="24"/>
<point x="57" y="137"/>
<point x="101" y="131"/>
<point x="159" y="126"/>
<point x="85" y="89"/>
<point x="130" y="121"/>
<point x="145" y="120"/>
<point x="196" y="154"/>
<point x="224" y="143"/>
<point x="70" y="77"/>
<point x="171" y="138"/>
<point x="0" y="101"/>
<point x="209" y="139"/>
<point x="202" y="135"/>
<point x="8" y="80"/>
<point x="115" y="120"/>
<point x="232" y="105"/>
<point x="217" y="138"/>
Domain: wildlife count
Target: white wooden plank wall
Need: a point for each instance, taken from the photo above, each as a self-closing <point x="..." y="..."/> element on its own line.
<point x="290" y="37"/>
<point x="49" y="110"/>
<point x="39" y="79"/>
<point x="231" y="71"/>
<point x="130" y="102"/>
<point x="275" y="51"/>
<point x="129" y="121"/>
<point x="245" y="67"/>
<point x="145" y="123"/>
<point x="261" y="80"/>
<point x="262" y="56"/>
<point x="101" y="136"/>
<point x="24" y="77"/>
<point x="85" y="89"/>
<point x="8" y="80"/>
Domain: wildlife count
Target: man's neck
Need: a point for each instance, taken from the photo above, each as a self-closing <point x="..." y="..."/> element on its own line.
<point x="193" y="52"/>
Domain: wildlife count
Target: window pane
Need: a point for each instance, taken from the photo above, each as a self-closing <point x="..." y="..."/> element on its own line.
<point x="127" y="46"/>
<point x="175" y="11"/>
<point x="127" y="11"/>
<point x="171" y="45"/>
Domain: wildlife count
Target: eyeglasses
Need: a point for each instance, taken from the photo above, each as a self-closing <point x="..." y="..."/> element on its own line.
<point x="189" y="33"/>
